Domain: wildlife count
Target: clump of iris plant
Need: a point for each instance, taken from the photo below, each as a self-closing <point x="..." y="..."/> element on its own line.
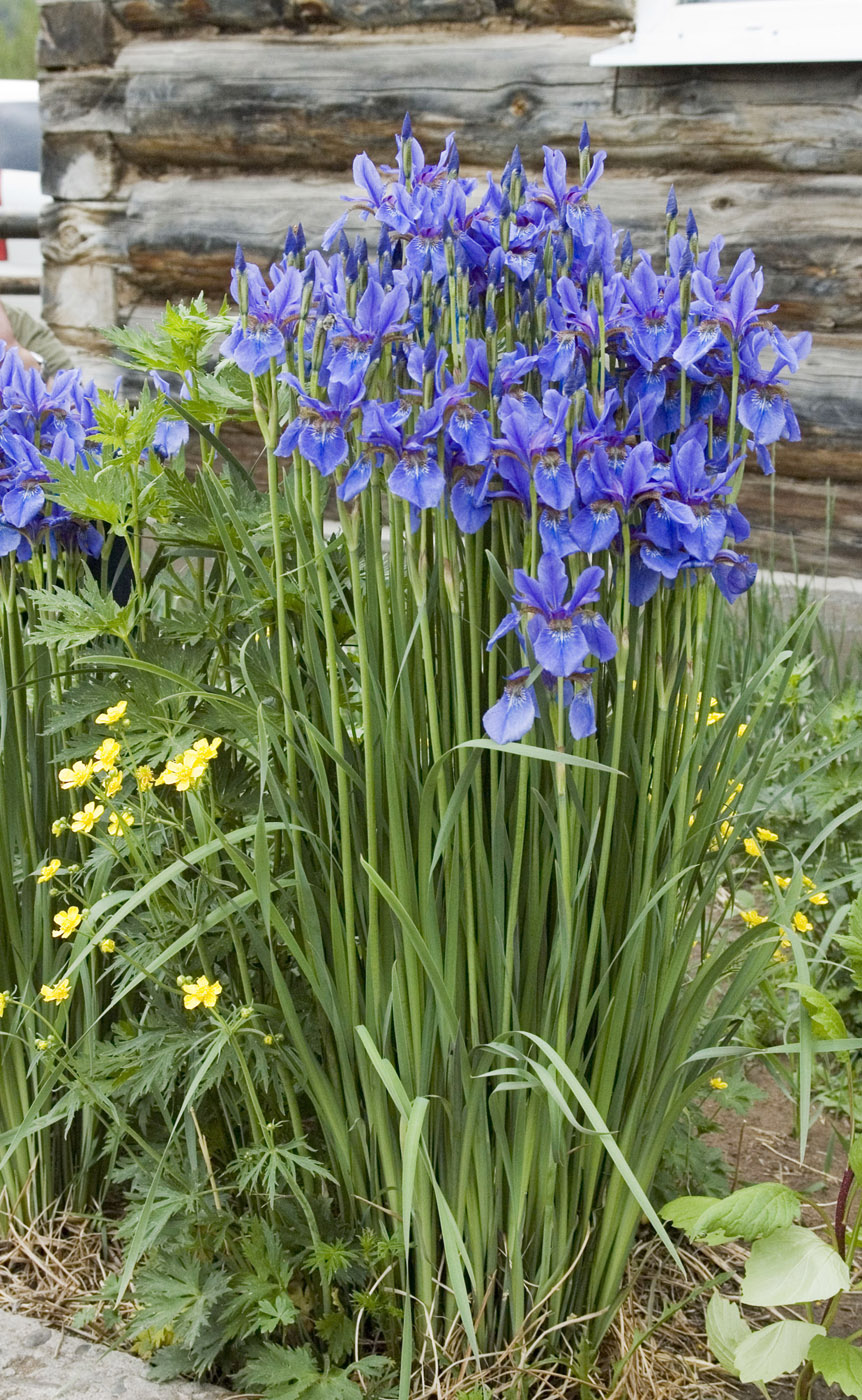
<point x="480" y="811"/>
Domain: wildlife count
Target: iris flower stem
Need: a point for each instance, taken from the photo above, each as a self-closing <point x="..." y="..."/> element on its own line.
<point x="342" y="788"/>
<point x="16" y="653"/>
<point x="376" y="999"/>
<point x="564" y="875"/>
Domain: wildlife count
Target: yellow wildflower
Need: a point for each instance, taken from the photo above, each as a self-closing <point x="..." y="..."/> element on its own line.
<point x="183" y="772"/>
<point x="740" y="730"/>
<point x="725" y="831"/>
<point x="714" y="716"/>
<point x="85" y="821"/>
<point x="59" y="826"/>
<point x="112" y="784"/>
<point x="200" y="993"/>
<point x="43" y="1044"/>
<point x="751" y="847"/>
<point x="717" y="1082"/>
<point x="60" y="991"/>
<point x="48" y="872"/>
<point x="752" y="918"/>
<point x="819" y="899"/>
<point x="782" y="881"/>
<point x="779" y="955"/>
<point x="113" y="714"/>
<point x="268" y="1039"/>
<point x="807" y="883"/>
<point x="5" y="998"/>
<point x="119" y="823"/>
<point x="207" y="749"/>
<point x="67" y="920"/>
<point x="765" y="834"/>
<point x="76" y="776"/>
<point x="145" y="777"/>
<point x="106" y="755"/>
<point x="107" y="945"/>
<point x="801" y="922"/>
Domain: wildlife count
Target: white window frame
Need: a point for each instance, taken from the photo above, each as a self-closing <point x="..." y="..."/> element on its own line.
<point x="668" y="32"/>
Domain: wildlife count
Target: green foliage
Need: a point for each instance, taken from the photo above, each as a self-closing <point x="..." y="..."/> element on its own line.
<point x="19" y="26"/>
<point x="839" y="1362"/>
<point x="747" y="1214"/>
<point x="792" y="1265"/>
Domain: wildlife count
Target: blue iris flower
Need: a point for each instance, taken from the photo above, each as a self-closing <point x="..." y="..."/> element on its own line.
<point x="515" y="712"/>
<point x="318" y="430"/>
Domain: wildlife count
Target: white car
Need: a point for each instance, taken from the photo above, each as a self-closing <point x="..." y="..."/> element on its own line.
<point x="20" y="178"/>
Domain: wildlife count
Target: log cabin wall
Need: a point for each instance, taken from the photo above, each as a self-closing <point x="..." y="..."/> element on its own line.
<point x="175" y="128"/>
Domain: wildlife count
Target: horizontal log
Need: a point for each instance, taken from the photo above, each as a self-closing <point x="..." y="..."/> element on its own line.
<point x="75" y="33"/>
<point x="18" y="225"/>
<point x="182" y="231"/>
<point x="282" y="101"/>
<point x="776" y="117"/>
<point x="180" y="14"/>
<point x="18" y="284"/>
<point x="78" y="165"/>
<point x="91" y="101"/>
<point x="286" y="101"/>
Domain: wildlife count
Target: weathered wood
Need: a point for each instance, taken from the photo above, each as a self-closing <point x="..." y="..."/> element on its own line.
<point x="75" y="33"/>
<point x="574" y="11"/>
<point x="368" y="14"/>
<point x="194" y="102"/>
<point x="180" y="14"/>
<point x="84" y="233"/>
<point x="78" y="166"/>
<point x="279" y="101"/>
<point x="79" y="299"/>
<point x="790" y="526"/>
<point x="775" y="116"/>
<point x="182" y="231"/>
<point x="90" y="101"/>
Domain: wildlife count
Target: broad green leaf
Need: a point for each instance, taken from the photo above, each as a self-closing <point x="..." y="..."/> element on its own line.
<point x="685" y="1211"/>
<point x="839" y="1363"/>
<point x="775" y="1350"/>
<point x="747" y="1214"/>
<point x="826" y="1020"/>
<point x="851" y="941"/>
<point x="726" y="1329"/>
<point x="792" y="1265"/>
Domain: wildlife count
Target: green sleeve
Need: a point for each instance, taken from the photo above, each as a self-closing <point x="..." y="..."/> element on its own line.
<point x="34" y="335"/>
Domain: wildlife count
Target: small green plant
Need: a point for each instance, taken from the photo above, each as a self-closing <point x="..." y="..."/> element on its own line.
<point x="791" y="1269"/>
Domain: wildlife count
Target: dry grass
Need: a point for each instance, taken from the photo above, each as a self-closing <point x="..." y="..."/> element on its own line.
<point x="52" y="1266"/>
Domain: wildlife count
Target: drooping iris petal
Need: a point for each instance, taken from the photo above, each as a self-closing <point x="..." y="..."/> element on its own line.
<point x="514" y="713"/>
<point x="555" y="532"/>
<point x="643" y="582"/>
<point x="170" y="436"/>
<point x="595" y="527"/>
<point x="582" y="713"/>
<point x="559" y="645"/>
<point x="697" y="343"/>
<point x="418" y="479"/>
<point x="23" y="503"/>
<point x="508" y="624"/>
<point x="470" y="505"/>
<point x="324" y="445"/>
<point x="254" y="348"/>
<point x="555" y="482"/>
<point x="762" y="412"/>
<point x="704" y="539"/>
<point x="472" y="432"/>
<point x="356" y="478"/>
<point x="9" y="539"/>
<point x="600" y="638"/>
